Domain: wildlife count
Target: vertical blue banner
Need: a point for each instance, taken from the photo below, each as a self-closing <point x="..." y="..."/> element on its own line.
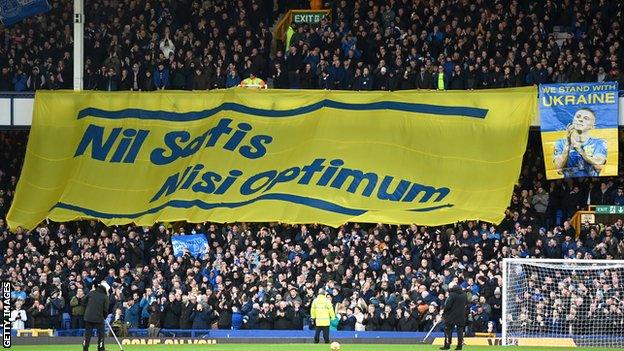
<point x="13" y="11"/>
<point x="579" y="125"/>
<point x="197" y="245"/>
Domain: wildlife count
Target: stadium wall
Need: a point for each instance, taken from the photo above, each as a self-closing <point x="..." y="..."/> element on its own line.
<point x="212" y="337"/>
<point x="139" y="337"/>
<point x="16" y="110"/>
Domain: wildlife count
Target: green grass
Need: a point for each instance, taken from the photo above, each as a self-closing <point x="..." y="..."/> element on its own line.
<point x="291" y="347"/>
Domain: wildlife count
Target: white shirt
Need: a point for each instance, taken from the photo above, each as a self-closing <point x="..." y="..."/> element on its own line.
<point x="18" y="324"/>
<point x="359" y="318"/>
<point x="167" y="47"/>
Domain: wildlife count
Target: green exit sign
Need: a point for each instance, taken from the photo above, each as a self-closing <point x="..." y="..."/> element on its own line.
<point x="308" y="17"/>
<point x="610" y="209"/>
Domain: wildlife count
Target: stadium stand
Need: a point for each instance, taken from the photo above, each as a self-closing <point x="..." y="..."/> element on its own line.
<point x="264" y="276"/>
<point x="256" y="276"/>
<point x="387" y="45"/>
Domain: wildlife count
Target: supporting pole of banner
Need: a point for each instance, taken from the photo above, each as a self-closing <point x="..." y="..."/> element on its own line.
<point x="78" y="44"/>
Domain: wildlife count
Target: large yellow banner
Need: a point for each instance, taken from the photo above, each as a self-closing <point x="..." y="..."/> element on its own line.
<point x="293" y="156"/>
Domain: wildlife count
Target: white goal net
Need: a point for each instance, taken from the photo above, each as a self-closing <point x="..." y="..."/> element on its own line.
<point x="563" y="302"/>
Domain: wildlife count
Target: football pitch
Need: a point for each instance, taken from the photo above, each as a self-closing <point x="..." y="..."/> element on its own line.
<point x="293" y="347"/>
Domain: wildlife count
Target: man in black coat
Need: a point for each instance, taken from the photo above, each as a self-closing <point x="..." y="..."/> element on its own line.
<point x="172" y="310"/>
<point x="283" y="317"/>
<point x="454" y="315"/>
<point x="95" y="313"/>
<point x="388" y="319"/>
<point x="299" y="315"/>
<point x="372" y="320"/>
<point x="188" y="305"/>
<point x="424" y="79"/>
<point x="265" y="317"/>
<point x="406" y="321"/>
<point x="39" y="315"/>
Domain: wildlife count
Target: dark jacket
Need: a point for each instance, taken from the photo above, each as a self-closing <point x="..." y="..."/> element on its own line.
<point x="39" y="319"/>
<point x="148" y="83"/>
<point x="35" y="81"/>
<point x="5" y="82"/>
<point x="307" y="80"/>
<point x="172" y="312"/>
<point x="185" y="315"/>
<point x="97" y="306"/>
<point x="202" y="319"/>
<point x="363" y="83"/>
<point x="299" y="315"/>
<point x="373" y="323"/>
<point x="78" y="305"/>
<point x="407" y="324"/>
<point x="56" y="306"/>
<point x="484" y="80"/>
<point x="265" y="320"/>
<point x="471" y="79"/>
<point x="337" y="76"/>
<point x="154" y="314"/>
<point x="457" y="81"/>
<point x="109" y="83"/>
<point x="427" y="321"/>
<point x="201" y="81"/>
<point x="347" y="323"/>
<point x="178" y="79"/>
<point x="225" y="319"/>
<point x="388" y="323"/>
<point x="424" y="80"/>
<point x="455" y="307"/>
<point x="283" y="322"/>
<point x="252" y="319"/>
<point x="125" y="83"/>
<point x="480" y="322"/>
<point x="133" y="315"/>
<point x="280" y="80"/>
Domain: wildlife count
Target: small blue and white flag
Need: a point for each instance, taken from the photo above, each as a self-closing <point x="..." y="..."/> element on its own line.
<point x="197" y="245"/>
<point x="13" y="11"/>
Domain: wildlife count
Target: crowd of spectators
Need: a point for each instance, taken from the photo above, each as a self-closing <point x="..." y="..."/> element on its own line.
<point x="264" y="276"/>
<point x="549" y="300"/>
<point x="376" y="44"/>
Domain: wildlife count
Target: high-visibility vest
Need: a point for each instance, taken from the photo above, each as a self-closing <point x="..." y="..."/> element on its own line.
<point x="289" y="34"/>
<point x="322" y="311"/>
<point x="253" y="83"/>
<point x="441" y="81"/>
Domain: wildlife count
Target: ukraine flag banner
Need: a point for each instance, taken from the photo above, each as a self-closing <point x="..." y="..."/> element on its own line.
<point x="579" y="124"/>
<point x="279" y="155"/>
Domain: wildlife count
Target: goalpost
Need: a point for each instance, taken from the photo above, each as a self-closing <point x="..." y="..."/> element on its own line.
<point x="556" y="302"/>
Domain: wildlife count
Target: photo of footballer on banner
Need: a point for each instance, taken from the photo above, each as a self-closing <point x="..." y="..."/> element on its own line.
<point x="579" y="129"/>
